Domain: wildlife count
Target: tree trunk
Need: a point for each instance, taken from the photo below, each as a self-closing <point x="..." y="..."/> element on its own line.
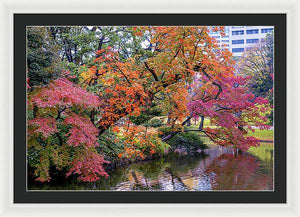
<point x="188" y="123"/>
<point x="201" y="122"/>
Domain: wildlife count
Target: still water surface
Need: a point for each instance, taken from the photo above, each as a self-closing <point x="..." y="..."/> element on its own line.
<point x="216" y="168"/>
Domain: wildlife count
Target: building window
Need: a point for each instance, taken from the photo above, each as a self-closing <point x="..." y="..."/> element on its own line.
<point x="253" y="40"/>
<point x="266" y="30"/>
<point x="236" y="50"/>
<point x="241" y="32"/>
<point x="216" y="36"/>
<point x="237" y="41"/>
<point x="225" y="41"/>
<point x="237" y="27"/>
<point x="252" y="31"/>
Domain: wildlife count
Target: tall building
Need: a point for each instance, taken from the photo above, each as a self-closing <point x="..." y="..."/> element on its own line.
<point x="238" y="38"/>
<point x="242" y="37"/>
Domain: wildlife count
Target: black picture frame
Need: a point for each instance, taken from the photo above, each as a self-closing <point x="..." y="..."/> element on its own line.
<point x="23" y="196"/>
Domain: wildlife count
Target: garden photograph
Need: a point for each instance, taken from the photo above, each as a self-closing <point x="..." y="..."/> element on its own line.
<point x="150" y="108"/>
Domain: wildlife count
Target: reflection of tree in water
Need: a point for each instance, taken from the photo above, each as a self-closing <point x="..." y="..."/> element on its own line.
<point x="152" y="169"/>
<point x="219" y="169"/>
<point x="176" y="181"/>
<point x="153" y="175"/>
<point x="164" y="173"/>
<point x="238" y="172"/>
<point x="183" y="163"/>
<point x="115" y="177"/>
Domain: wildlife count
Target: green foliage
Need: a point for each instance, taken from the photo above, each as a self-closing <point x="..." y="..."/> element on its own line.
<point x="124" y="41"/>
<point x="165" y="131"/>
<point x="160" y="146"/>
<point x="44" y="156"/>
<point x="77" y="44"/>
<point x="33" y="157"/>
<point x="257" y="62"/>
<point x="146" y="116"/>
<point x="188" y="140"/>
<point x="155" y="122"/>
<point x="42" y="59"/>
<point x="29" y="114"/>
<point x="261" y="85"/>
<point x="110" y="145"/>
<point x="50" y="50"/>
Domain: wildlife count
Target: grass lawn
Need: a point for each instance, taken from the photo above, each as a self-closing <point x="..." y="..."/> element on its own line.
<point x="265" y="150"/>
<point x="206" y="140"/>
<point x="263" y="134"/>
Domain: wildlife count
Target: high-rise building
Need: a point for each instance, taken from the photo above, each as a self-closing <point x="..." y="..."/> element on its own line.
<point x="238" y="38"/>
<point x="243" y="37"/>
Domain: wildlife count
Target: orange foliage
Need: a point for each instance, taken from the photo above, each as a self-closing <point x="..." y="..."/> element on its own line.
<point x="139" y="142"/>
<point x="133" y="84"/>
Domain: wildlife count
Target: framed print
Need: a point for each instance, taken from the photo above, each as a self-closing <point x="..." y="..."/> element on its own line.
<point x="186" y="173"/>
<point x="149" y="108"/>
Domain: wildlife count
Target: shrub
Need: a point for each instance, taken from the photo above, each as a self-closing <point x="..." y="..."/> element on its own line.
<point x="155" y="123"/>
<point x="164" y="130"/>
<point x="187" y="140"/>
<point x="110" y="145"/>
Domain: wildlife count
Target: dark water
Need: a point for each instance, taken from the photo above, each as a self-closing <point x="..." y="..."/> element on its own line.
<point x="215" y="169"/>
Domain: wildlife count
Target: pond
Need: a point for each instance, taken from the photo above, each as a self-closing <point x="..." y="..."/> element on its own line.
<point x="216" y="168"/>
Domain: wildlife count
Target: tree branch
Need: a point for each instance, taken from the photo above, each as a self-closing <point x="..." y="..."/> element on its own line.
<point x="59" y="138"/>
<point x="151" y="71"/>
<point x="213" y="82"/>
<point x="172" y="134"/>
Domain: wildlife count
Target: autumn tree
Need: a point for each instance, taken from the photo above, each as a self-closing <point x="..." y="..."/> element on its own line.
<point x="175" y="52"/>
<point x="231" y="110"/>
<point x="179" y="54"/>
<point x="61" y="133"/>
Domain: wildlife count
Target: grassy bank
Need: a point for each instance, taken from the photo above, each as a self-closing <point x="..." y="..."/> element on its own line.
<point x="263" y="134"/>
<point x="263" y="151"/>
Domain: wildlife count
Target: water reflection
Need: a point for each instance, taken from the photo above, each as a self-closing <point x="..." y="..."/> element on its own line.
<point x="216" y="169"/>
